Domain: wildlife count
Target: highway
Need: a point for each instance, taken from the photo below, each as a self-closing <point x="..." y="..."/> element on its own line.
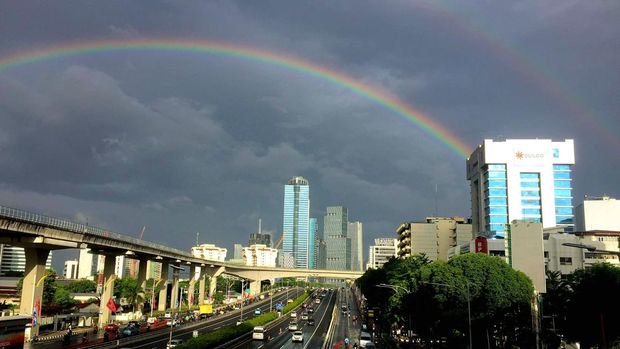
<point x="314" y="336"/>
<point x="159" y="339"/>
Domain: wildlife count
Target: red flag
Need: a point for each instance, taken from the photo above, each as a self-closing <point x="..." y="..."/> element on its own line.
<point x="111" y="305"/>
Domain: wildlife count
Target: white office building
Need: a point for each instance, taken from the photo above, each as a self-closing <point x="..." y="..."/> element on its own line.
<point x="260" y="255"/>
<point x="209" y="252"/>
<point x="521" y="179"/>
<point x="89" y="264"/>
<point x="382" y="251"/>
<point x="71" y="269"/>
<point x="602" y="213"/>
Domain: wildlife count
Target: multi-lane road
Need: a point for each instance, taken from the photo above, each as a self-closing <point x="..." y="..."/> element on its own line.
<point x="331" y="326"/>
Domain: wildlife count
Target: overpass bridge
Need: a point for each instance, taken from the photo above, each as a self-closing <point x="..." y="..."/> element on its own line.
<point x="39" y="234"/>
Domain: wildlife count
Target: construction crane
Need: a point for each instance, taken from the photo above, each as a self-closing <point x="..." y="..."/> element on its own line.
<point x="279" y="242"/>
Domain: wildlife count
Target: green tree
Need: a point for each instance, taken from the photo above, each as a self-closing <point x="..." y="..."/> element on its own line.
<point x="63" y="299"/>
<point x="82" y="286"/>
<point x="594" y="305"/>
<point x="129" y="289"/>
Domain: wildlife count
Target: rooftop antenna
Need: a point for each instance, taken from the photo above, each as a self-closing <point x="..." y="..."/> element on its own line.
<point x="435" y="199"/>
<point x="197" y="234"/>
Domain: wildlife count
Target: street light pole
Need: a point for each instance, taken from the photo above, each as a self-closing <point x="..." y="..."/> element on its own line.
<point x="395" y="288"/>
<point x="242" y="299"/>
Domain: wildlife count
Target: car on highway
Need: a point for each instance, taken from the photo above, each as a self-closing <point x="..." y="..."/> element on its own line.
<point x="293" y="326"/>
<point x="173" y="343"/>
<point x="293" y="315"/>
<point x="304" y="316"/>
<point x="258" y="311"/>
<point x="310" y="310"/>
<point x="130" y="330"/>
<point x="310" y="322"/>
<point x="365" y="339"/>
<point x="259" y="333"/>
<point x="298" y="336"/>
<point x="317" y="301"/>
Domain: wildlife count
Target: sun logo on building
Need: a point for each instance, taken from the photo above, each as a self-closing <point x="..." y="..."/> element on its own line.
<point x="519" y="155"/>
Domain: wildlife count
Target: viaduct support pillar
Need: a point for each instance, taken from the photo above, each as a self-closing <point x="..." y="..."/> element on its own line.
<point x="202" y="285"/>
<point x="142" y="279"/>
<point x="192" y="283"/>
<point x="108" y="290"/>
<point x="255" y="287"/>
<point x="163" y="292"/>
<point x="174" y="297"/>
<point x="32" y="287"/>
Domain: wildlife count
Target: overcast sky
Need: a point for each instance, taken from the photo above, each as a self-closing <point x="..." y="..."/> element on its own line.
<point x="185" y="142"/>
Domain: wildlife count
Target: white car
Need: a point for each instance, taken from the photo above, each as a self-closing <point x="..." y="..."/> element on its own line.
<point x="298" y="336"/>
<point x="304" y="316"/>
<point x="293" y="314"/>
<point x="293" y="326"/>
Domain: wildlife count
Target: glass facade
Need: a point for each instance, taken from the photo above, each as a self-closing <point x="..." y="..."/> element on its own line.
<point x="496" y="198"/>
<point x="530" y="196"/>
<point x="563" y="195"/>
<point x="312" y="238"/>
<point x="296" y="222"/>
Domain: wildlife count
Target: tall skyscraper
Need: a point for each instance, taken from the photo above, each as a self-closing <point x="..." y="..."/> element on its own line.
<point x="521" y="179"/>
<point x="354" y="232"/>
<point x="296" y="222"/>
<point x="313" y="241"/>
<point x="336" y="240"/>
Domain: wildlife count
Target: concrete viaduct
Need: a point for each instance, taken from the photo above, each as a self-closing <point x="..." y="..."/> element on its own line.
<point x="39" y="234"/>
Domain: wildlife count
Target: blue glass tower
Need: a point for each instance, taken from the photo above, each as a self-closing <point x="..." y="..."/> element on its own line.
<point x="296" y="223"/>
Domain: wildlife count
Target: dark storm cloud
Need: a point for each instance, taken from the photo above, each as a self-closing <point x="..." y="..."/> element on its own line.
<point x="185" y="143"/>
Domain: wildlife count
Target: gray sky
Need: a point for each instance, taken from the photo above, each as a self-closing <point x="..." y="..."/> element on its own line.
<point x="185" y="142"/>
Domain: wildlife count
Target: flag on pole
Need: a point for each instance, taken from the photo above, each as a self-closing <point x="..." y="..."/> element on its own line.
<point x="111" y="305"/>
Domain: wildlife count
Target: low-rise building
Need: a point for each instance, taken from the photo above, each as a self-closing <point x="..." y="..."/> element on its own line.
<point x="600" y="213"/>
<point x="71" y="269"/>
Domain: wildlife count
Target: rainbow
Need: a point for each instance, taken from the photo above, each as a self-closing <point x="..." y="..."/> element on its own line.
<point x="374" y="94"/>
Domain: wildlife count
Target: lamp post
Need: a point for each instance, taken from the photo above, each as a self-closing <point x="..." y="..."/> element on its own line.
<point x="242" y="299"/>
<point x="468" y="304"/>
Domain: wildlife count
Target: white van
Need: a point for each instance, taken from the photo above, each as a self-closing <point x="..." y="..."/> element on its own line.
<point x="259" y="333"/>
<point x="365" y="339"/>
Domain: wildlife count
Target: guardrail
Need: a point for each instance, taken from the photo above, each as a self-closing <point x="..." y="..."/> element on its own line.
<point x="63" y="224"/>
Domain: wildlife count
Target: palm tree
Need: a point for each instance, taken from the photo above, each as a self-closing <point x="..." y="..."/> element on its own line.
<point x="129" y="289"/>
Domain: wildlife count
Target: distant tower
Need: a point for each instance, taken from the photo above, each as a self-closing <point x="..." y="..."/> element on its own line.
<point x="296" y="222"/>
<point x="259" y="238"/>
<point x="354" y="232"/>
<point x="312" y="243"/>
<point x="335" y="235"/>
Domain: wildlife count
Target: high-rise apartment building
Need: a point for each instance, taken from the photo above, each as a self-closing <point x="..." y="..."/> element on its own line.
<point x="71" y="270"/>
<point x="338" y="245"/>
<point x="13" y="260"/>
<point x="382" y="251"/>
<point x="313" y="239"/>
<point x="321" y="260"/>
<point x="296" y="221"/>
<point x="355" y="233"/>
<point x="209" y="252"/>
<point x="260" y="256"/>
<point x="90" y="264"/>
<point x="598" y="214"/>
<point x="432" y="237"/>
<point x="521" y="179"/>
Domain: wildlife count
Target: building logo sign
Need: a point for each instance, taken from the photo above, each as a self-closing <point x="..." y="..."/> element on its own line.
<point x="525" y="156"/>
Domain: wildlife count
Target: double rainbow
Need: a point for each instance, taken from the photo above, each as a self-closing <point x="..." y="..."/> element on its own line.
<point x="374" y="94"/>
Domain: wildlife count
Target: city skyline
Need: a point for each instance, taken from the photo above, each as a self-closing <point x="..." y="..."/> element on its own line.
<point x="199" y="139"/>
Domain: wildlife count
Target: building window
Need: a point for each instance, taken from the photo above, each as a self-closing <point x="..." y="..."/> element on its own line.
<point x="546" y="254"/>
<point x="566" y="261"/>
